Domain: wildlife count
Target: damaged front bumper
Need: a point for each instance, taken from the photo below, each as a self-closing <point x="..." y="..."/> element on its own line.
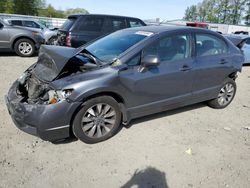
<point x="49" y="122"/>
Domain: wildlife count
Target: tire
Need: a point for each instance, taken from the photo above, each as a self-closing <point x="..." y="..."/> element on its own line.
<point x="24" y="47"/>
<point x="229" y="86"/>
<point x="99" y="119"/>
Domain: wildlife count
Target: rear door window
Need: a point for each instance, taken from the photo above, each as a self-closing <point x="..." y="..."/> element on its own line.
<point x="31" y="24"/>
<point x="208" y="45"/>
<point x="16" y="22"/>
<point x="1" y="25"/>
<point x="91" y="24"/>
<point x="135" y="23"/>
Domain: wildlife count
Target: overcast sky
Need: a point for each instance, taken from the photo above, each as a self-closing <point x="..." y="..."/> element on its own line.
<point x="144" y="9"/>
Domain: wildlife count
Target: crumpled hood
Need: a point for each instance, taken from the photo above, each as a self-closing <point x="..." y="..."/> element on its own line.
<point x="51" y="61"/>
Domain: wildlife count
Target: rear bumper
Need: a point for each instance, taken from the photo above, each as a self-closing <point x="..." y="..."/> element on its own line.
<point x="49" y="122"/>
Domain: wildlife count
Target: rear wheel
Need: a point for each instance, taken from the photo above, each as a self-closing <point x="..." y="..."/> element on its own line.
<point x="225" y="95"/>
<point x="98" y="120"/>
<point x="24" y="47"/>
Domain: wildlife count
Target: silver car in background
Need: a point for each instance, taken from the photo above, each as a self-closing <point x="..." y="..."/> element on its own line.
<point x="24" y="41"/>
<point x="50" y="34"/>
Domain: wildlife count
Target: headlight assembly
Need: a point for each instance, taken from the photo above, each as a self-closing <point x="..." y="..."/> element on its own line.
<point x="59" y="95"/>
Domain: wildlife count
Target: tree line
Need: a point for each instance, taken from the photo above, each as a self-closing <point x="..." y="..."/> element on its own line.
<point x="35" y="8"/>
<point x="220" y="11"/>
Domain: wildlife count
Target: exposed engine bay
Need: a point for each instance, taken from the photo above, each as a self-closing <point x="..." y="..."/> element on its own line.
<point x="34" y="84"/>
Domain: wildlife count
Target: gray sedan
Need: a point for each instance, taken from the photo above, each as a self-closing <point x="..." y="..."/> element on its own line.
<point x="90" y="91"/>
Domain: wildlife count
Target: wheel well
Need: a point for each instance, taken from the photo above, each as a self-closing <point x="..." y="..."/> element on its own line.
<point x="116" y="96"/>
<point x="13" y="44"/>
<point x="233" y="75"/>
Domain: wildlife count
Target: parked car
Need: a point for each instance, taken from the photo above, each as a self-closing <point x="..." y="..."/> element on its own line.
<point x="243" y="42"/>
<point x="241" y="32"/>
<point x="80" y="29"/>
<point x="128" y="74"/>
<point x="199" y="25"/>
<point x="24" y="41"/>
<point x="50" y="34"/>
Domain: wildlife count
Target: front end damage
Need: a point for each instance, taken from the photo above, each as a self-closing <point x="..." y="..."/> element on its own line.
<point x="38" y="108"/>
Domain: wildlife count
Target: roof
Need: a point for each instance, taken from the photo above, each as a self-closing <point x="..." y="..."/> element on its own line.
<point x="78" y="15"/>
<point x="161" y="29"/>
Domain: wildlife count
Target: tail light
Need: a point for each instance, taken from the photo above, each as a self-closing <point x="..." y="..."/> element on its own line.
<point x="68" y="40"/>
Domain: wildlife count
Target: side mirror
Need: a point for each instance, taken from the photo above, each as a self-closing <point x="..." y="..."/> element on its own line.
<point x="150" y="60"/>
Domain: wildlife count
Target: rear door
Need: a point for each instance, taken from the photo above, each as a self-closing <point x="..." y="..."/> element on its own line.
<point x="159" y="87"/>
<point x="213" y="64"/>
<point x="87" y="29"/>
<point x="4" y="36"/>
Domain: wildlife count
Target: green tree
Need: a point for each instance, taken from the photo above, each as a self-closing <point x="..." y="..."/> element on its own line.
<point x="218" y="11"/>
<point x="75" y="11"/>
<point x="27" y="7"/>
<point x="238" y="8"/>
<point x="191" y="13"/>
<point x="247" y="16"/>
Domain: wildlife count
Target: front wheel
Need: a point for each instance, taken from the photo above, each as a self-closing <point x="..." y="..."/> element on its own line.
<point x="98" y="120"/>
<point x="225" y="95"/>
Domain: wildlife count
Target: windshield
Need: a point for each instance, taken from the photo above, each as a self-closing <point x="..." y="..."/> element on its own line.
<point x="107" y="49"/>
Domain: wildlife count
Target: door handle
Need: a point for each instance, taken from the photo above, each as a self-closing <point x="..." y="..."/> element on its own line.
<point x="223" y="61"/>
<point x="185" y="68"/>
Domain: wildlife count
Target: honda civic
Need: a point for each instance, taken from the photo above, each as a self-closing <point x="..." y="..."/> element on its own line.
<point x="90" y="91"/>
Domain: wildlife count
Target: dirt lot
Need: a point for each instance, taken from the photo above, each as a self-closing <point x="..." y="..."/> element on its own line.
<point x="151" y="153"/>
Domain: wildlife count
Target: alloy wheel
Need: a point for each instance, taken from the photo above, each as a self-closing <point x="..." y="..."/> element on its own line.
<point x="226" y="94"/>
<point x="98" y="120"/>
<point x="25" y="48"/>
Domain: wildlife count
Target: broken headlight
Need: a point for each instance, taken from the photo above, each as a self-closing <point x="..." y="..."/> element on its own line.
<point x="59" y="95"/>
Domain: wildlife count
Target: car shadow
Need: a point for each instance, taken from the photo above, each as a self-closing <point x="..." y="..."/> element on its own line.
<point x="150" y="177"/>
<point x="246" y="65"/>
<point x="72" y="138"/>
<point x="8" y="53"/>
<point x="165" y="113"/>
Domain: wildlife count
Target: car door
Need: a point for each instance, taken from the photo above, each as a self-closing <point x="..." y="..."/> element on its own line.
<point x="246" y="50"/>
<point x="87" y="29"/>
<point x="212" y="65"/>
<point x="160" y="87"/>
<point x="4" y="36"/>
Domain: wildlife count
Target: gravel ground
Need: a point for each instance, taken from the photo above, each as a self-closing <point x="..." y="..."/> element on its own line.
<point x="195" y="146"/>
